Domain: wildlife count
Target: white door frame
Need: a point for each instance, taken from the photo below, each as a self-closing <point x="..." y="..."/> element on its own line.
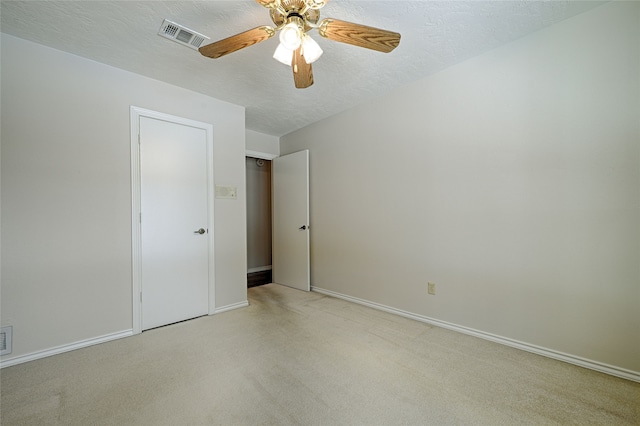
<point x="260" y="154"/>
<point x="136" y="236"/>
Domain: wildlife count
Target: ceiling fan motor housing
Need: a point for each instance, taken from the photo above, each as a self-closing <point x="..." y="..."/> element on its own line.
<point x="295" y="8"/>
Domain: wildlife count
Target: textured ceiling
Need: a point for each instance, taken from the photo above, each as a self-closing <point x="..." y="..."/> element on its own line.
<point x="435" y="35"/>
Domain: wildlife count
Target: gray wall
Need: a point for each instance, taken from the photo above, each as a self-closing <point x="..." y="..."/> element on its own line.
<point x="262" y="143"/>
<point x="510" y="180"/>
<point x="258" y="214"/>
<point x="66" y="193"/>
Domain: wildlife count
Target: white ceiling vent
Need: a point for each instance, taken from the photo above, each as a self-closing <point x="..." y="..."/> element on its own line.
<point x="181" y="34"/>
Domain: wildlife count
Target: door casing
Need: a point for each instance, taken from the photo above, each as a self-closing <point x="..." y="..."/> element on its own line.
<point x="136" y="240"/>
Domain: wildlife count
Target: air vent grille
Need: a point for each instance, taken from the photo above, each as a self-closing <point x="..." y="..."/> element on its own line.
<point x="171" y="30"/>
<point x="181" y="34"/>
<point x="197" y="40"/>
<point x="6" y="334"/>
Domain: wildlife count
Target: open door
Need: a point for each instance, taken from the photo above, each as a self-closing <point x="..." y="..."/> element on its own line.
<point x="290" y="180"/>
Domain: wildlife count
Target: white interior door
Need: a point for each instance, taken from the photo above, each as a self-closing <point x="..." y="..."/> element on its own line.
<point x="174" y="222"/>
<point x="290" y="254"/>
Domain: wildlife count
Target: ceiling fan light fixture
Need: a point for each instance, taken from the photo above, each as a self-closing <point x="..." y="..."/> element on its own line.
<point x="311" y="49"/>
<point x="283" y="55"/>
<point x="294" y="19"/>
<point x="291" y="36"/>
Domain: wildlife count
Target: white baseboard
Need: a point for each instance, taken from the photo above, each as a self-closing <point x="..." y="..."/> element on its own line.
<point x="549" y="353"/>
<point x="259" y="269"/>
<point x="8" y="362"/>
<point x="231" y="307"/>
<point x="64" y="348"/>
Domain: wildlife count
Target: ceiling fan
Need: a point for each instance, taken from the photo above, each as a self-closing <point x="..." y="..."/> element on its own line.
<point x="294" y="19"/>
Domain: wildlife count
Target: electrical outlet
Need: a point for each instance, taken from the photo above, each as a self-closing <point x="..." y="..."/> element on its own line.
<point x="431" y="288"/>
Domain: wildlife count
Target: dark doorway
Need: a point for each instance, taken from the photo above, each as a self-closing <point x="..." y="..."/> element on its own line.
<point x="258" y="221"/>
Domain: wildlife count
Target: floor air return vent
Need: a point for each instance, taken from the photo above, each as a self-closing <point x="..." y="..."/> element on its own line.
<point x="6" y="334"/>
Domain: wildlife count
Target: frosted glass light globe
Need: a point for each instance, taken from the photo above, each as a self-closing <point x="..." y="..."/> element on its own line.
<point x="283" y="55"/>
<point x="290" y="36"/>
<point x="310" y="49"/>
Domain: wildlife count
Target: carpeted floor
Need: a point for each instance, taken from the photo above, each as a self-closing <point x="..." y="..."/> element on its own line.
<point x="296" y="358"/>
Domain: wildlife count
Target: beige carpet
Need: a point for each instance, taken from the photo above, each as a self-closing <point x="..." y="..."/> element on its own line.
<point x="296" y="358"/>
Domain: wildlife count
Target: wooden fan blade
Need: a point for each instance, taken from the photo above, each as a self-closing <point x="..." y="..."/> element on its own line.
<point x="237" y="42"/>
<point x="359" y="35"/>
<point x="302" y="73"/>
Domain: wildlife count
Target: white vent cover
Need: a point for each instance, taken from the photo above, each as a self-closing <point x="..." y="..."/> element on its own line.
<point x="181" y="34"/>
<point x="5" y="340"/>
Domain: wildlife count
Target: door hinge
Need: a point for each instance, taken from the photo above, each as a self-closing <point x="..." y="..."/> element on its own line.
<point x="140" y="217"/>
<point x="138" y="138"/>
<point x="140" y="297"/>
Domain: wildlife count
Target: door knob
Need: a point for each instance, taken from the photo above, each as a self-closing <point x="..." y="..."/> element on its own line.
<point x="200" y="231"/>
<point x="303" y="227"/>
